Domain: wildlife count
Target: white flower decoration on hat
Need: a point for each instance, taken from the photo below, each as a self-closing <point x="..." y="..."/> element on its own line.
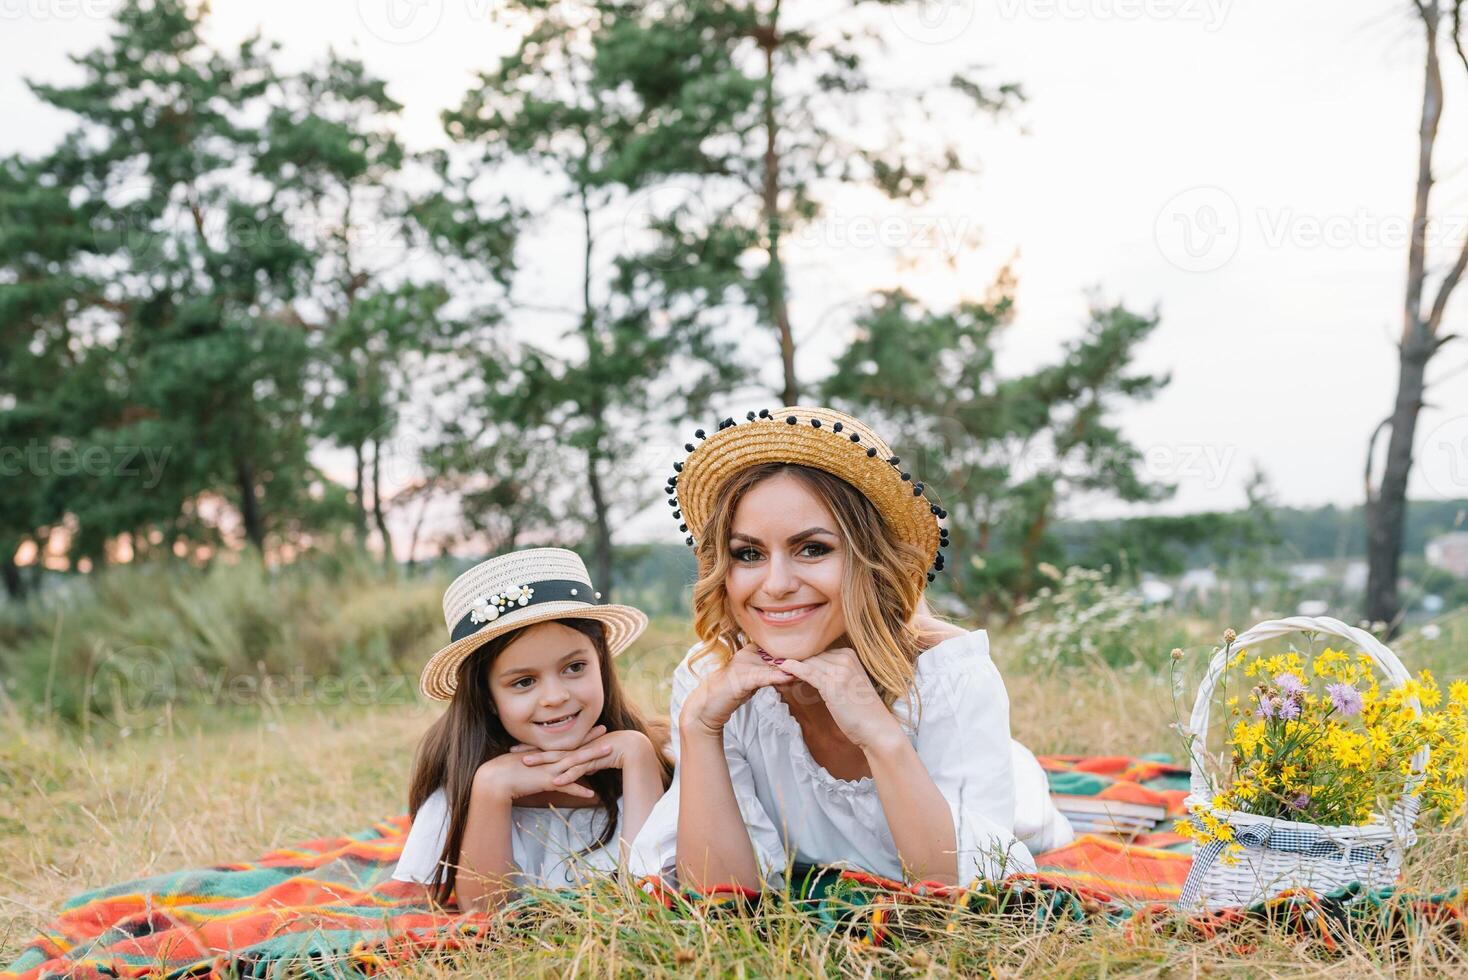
<point x="488" y="608"/>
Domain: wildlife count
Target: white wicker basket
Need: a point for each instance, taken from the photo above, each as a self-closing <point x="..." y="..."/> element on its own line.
<point x="1283" y="854"/>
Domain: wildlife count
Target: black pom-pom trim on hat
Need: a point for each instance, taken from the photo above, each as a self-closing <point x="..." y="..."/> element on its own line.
<point x="764" y="413"/>
<point x="837" y="427"/>
<point x="678" y="467"/>
<point x="750" y="416"/>
<point x="790" y="420"/>
<point x="855" y="437"/>
<point x="699" y="434"/>
<point x="689" y="539"/>
<point x="872" y="452"/>
<point x="688" y="447"/>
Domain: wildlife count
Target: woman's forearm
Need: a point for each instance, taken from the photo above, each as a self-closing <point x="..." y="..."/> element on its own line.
<point x="713" y="844"/>
<point x="917" y="812"/>
<point x="486" y="856"/>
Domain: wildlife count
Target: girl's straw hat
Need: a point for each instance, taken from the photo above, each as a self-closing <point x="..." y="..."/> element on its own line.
<point x="819" y="438"/>
<point x="520" y="589"/>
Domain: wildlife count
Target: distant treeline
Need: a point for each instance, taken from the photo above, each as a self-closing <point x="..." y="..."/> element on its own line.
<point x="1168" y="545"/>
<point x="659" y="577"/>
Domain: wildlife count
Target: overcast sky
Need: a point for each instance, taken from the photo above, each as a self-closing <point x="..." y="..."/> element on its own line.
<point x="1244" y="166"/>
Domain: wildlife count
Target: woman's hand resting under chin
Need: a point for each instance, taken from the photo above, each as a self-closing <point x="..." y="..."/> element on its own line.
<point x="713" y="702"/>
<point x="838" y="676"/>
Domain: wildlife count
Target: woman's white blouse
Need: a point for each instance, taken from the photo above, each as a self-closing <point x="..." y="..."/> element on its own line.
<point x="798" y="812"/>
<point x="546" y="843"/>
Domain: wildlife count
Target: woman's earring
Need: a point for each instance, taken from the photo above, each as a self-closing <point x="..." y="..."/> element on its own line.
<point x="743" y="640"/>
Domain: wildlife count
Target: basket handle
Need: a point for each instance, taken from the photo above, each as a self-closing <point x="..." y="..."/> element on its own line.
<point x="1270" y="630"/>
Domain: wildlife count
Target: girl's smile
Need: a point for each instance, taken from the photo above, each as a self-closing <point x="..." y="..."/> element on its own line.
<point x="561" y="724"/>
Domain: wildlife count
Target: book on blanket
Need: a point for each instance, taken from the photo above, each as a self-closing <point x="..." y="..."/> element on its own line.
<point x="1094" y="815"/>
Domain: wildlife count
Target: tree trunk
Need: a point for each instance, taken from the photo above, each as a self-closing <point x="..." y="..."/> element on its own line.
<point x="360" y="514"/>
<point x="418" y="527"/>
<point x="1386" y="510"/>
<point x="14" y="584"/>
<point x="250" y="503"/>
<point x="775" y="275"/>
<point x="601" y="556"/>
<point x="388" y="558"/>
<point x="1386" y="506"/>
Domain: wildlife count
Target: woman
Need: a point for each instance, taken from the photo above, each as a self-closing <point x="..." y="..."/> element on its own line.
<point x="825" y="718"/>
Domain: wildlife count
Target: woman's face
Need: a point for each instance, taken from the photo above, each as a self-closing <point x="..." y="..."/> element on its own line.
<point x="547" y="688"/>
<point x="787" y="563"/>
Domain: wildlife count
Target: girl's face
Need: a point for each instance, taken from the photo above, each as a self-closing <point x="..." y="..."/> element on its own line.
<point x="547" y="687"/>
<point x="787" y="563"/>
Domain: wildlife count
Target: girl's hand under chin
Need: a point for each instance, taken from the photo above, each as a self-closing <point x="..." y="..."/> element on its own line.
<point x="511" y="777"/>
<point x="601" y="750"/>
<point x="838" y="676"/>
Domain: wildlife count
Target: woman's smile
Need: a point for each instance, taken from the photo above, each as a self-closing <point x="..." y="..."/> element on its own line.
<point x="786" y="615"/>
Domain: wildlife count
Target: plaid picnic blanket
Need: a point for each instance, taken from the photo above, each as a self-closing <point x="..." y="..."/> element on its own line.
<point x="328" y="906"/>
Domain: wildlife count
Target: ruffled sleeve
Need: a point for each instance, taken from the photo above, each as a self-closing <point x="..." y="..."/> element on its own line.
<point x="962" y="737"/>
<point x="655" y="851"/>
<point x="424" y="845"/>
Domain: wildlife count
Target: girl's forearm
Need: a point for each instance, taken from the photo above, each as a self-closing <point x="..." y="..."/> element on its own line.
<point x="486" y="857"/>
<point x="916" y="811"/>
<point x="642" y="787"/>
<point x="713" y="844"/>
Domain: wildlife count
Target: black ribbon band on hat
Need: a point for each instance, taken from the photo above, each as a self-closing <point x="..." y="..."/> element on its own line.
<point x="555" y="590"/>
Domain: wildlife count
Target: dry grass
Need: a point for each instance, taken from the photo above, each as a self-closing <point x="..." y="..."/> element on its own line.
<point x="189" y="790"/>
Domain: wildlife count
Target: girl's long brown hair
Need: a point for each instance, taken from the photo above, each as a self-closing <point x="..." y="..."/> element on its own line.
<point x="879" y="593"/>
<point x="470" y="734"/>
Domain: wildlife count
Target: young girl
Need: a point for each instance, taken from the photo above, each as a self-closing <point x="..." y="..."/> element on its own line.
<point x="827" y="718"/>
<point x="540" y="771"/>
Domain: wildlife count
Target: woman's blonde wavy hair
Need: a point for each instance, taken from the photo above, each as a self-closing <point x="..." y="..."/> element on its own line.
<point x="879" y="592"/>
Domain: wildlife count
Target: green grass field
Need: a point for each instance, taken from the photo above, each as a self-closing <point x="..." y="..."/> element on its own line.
<point x="173" y="788"/>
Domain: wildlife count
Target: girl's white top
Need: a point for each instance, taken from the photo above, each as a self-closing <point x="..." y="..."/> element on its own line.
<point x="798" y="812"/>
<point x="546" y="843"/>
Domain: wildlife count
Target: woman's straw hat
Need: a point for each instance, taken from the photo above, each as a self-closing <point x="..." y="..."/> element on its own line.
<point x="819" y="438"/>
<point x="520" y="589"/>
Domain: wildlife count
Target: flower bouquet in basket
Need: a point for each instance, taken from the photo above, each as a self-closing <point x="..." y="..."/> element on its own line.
<point x="1329" y="756"/>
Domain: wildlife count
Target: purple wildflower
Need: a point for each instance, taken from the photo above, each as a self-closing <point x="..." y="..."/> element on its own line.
<point x="1288" y="684"/>
<point x="1289" y="709"/>
<point x="1300" y="802"/>
<point x="1345" y="697"/>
